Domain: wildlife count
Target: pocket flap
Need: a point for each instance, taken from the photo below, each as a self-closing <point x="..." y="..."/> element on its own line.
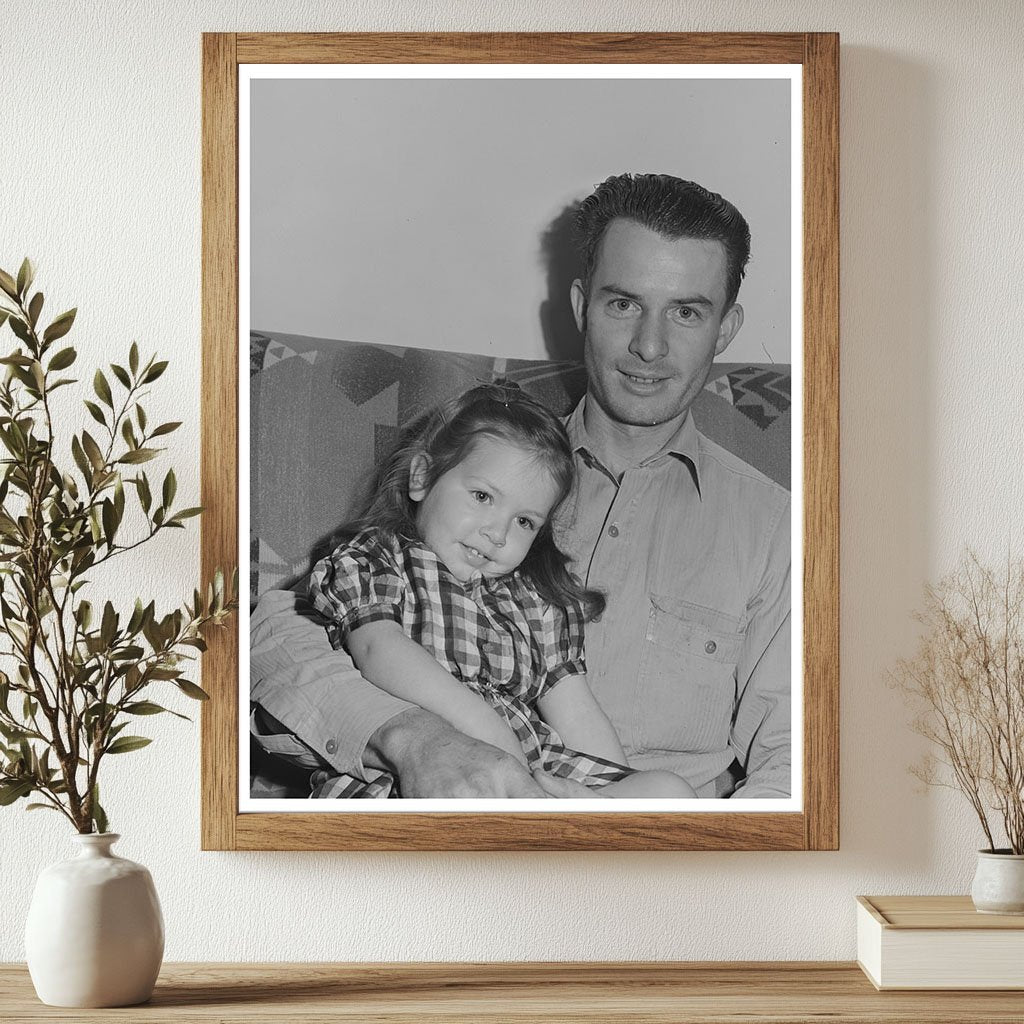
<point x="691" y="629"/>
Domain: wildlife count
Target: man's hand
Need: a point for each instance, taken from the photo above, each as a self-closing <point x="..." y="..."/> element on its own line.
<point x="433" y="760"/>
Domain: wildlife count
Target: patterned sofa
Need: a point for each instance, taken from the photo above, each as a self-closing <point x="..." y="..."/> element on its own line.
<point x="322" y="412"/>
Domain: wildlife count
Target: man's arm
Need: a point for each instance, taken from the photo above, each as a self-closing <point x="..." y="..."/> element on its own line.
<point x="333" y="716"/>
<point x="761" y="732"/>
<point x="328" y="711"/>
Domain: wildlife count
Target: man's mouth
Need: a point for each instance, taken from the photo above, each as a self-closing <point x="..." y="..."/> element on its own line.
<point x="641" y="381"/>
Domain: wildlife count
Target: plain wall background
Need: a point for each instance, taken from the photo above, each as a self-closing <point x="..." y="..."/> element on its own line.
<point x="100" y="167"/>
<point x="431" y="213"/>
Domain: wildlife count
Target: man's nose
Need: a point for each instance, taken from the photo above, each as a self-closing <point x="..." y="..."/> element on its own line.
<point x="495" y="531"/>
<point x="649" y="342"/>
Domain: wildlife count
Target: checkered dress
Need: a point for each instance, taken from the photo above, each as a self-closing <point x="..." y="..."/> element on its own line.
<point x="495" y="634"/>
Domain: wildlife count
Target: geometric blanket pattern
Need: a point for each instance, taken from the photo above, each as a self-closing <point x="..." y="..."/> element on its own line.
<point x="762" y="395"/>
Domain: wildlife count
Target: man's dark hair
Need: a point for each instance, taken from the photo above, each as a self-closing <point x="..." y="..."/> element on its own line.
<point x="672" y="207"/>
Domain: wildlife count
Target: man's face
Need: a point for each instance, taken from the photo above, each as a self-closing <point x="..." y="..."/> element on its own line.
<point x="654" y="319"/>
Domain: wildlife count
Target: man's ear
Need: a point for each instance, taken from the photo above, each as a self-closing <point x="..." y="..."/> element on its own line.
<point x="418" y="477"/>
<point x="730" y="325"/>
<point x="578" y="298"/>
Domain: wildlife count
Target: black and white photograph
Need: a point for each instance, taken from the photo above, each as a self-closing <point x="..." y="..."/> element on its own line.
<point x="517" y="458"/>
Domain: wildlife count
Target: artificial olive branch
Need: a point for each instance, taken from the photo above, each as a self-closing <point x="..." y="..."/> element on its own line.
<point x="78" y="674"/>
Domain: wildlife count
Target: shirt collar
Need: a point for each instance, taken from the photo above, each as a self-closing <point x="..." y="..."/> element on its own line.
<point x="684" y="444"/>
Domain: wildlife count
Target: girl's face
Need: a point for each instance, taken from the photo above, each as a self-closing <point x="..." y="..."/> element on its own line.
<point x="484" y="513"/>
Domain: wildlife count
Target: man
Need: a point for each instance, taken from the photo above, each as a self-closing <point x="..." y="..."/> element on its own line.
<point x="691" y="659"/>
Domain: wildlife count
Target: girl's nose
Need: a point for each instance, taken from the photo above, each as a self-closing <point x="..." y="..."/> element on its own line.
<point x="495" y="533"/>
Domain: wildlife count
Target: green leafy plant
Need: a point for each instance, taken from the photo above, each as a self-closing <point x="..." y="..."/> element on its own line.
<point x="967" y="682"/>
<point x="80" y="671"/>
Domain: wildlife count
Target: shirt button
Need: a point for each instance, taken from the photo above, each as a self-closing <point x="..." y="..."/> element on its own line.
<point x="613" y="530"/>
<point x="331" y="746"/>
<point x="710" y="647"/>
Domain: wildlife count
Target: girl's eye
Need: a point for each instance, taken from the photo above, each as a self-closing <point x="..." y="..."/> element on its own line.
<point x="480" y="496"/>
<point x="526" y="524"/>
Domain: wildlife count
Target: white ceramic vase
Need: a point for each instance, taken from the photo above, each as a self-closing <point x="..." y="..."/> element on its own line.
<point x="999" y="882"/>
<point x="95" y="933"/>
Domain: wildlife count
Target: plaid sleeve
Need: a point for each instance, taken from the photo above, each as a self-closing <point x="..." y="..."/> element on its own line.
<point x="563" y="642"/>
<point x="359" y="582"/>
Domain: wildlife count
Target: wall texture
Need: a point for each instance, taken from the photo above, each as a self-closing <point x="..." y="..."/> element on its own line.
<point x="432" y="213"/>
<point x="100" y="184"/>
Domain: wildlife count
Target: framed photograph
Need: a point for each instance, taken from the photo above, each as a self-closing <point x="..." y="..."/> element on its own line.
<point x="520" y="388"/>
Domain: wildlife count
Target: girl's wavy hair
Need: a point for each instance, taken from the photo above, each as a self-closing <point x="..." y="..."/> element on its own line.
<point x="445" y="436"/>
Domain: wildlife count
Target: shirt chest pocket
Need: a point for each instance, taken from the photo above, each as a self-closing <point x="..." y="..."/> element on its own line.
<point x="687" y="678"/>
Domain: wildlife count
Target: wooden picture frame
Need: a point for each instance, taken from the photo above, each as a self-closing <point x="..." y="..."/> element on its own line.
<point x="816" y="825"/>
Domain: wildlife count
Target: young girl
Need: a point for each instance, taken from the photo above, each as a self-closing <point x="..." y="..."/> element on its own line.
<point x="451" y="593"/>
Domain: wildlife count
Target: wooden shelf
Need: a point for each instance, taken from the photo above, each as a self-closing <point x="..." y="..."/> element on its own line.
<point x="647" y="993"/>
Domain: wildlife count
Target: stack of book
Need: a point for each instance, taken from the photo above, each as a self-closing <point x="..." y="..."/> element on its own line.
<point x="906" y="942"/>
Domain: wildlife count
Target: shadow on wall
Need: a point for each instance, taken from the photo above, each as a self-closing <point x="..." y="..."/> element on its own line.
<point x="888" y="289"/>
<point x="562" y="266"/>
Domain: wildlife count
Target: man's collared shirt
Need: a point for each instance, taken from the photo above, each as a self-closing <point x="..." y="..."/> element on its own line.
<point x="692" y="550"/>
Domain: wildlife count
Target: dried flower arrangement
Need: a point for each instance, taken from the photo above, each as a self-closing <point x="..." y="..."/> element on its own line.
<point x="967" y="680"/>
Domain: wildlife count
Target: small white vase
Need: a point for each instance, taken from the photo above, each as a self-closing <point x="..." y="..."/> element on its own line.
<point x="999" y="882"/>
<point x="95" y="933"/>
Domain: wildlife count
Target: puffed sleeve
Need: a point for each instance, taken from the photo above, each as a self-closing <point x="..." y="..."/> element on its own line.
<point x="359" y="582"/>
<point x="562" y="629"/>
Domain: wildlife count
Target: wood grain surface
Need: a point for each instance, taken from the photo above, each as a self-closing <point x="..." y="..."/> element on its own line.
<point x="814" y="828"/>
<point x="219" y="441"/>
<point x="821" y="441"/>
<point x="794" y="993"/>
<point x="937" y="913"/>
<point x="521" y="48"/>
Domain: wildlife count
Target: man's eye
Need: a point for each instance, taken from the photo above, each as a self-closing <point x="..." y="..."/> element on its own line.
<point x="526" y="523"/>
<point x="621" y="307"/>
<point x="481" y="496"/>
<point x="686" y="314"/>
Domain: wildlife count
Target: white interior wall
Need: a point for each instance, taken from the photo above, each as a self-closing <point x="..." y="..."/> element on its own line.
<point x="416" y="212"/>
<point x="100" y="177"/>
